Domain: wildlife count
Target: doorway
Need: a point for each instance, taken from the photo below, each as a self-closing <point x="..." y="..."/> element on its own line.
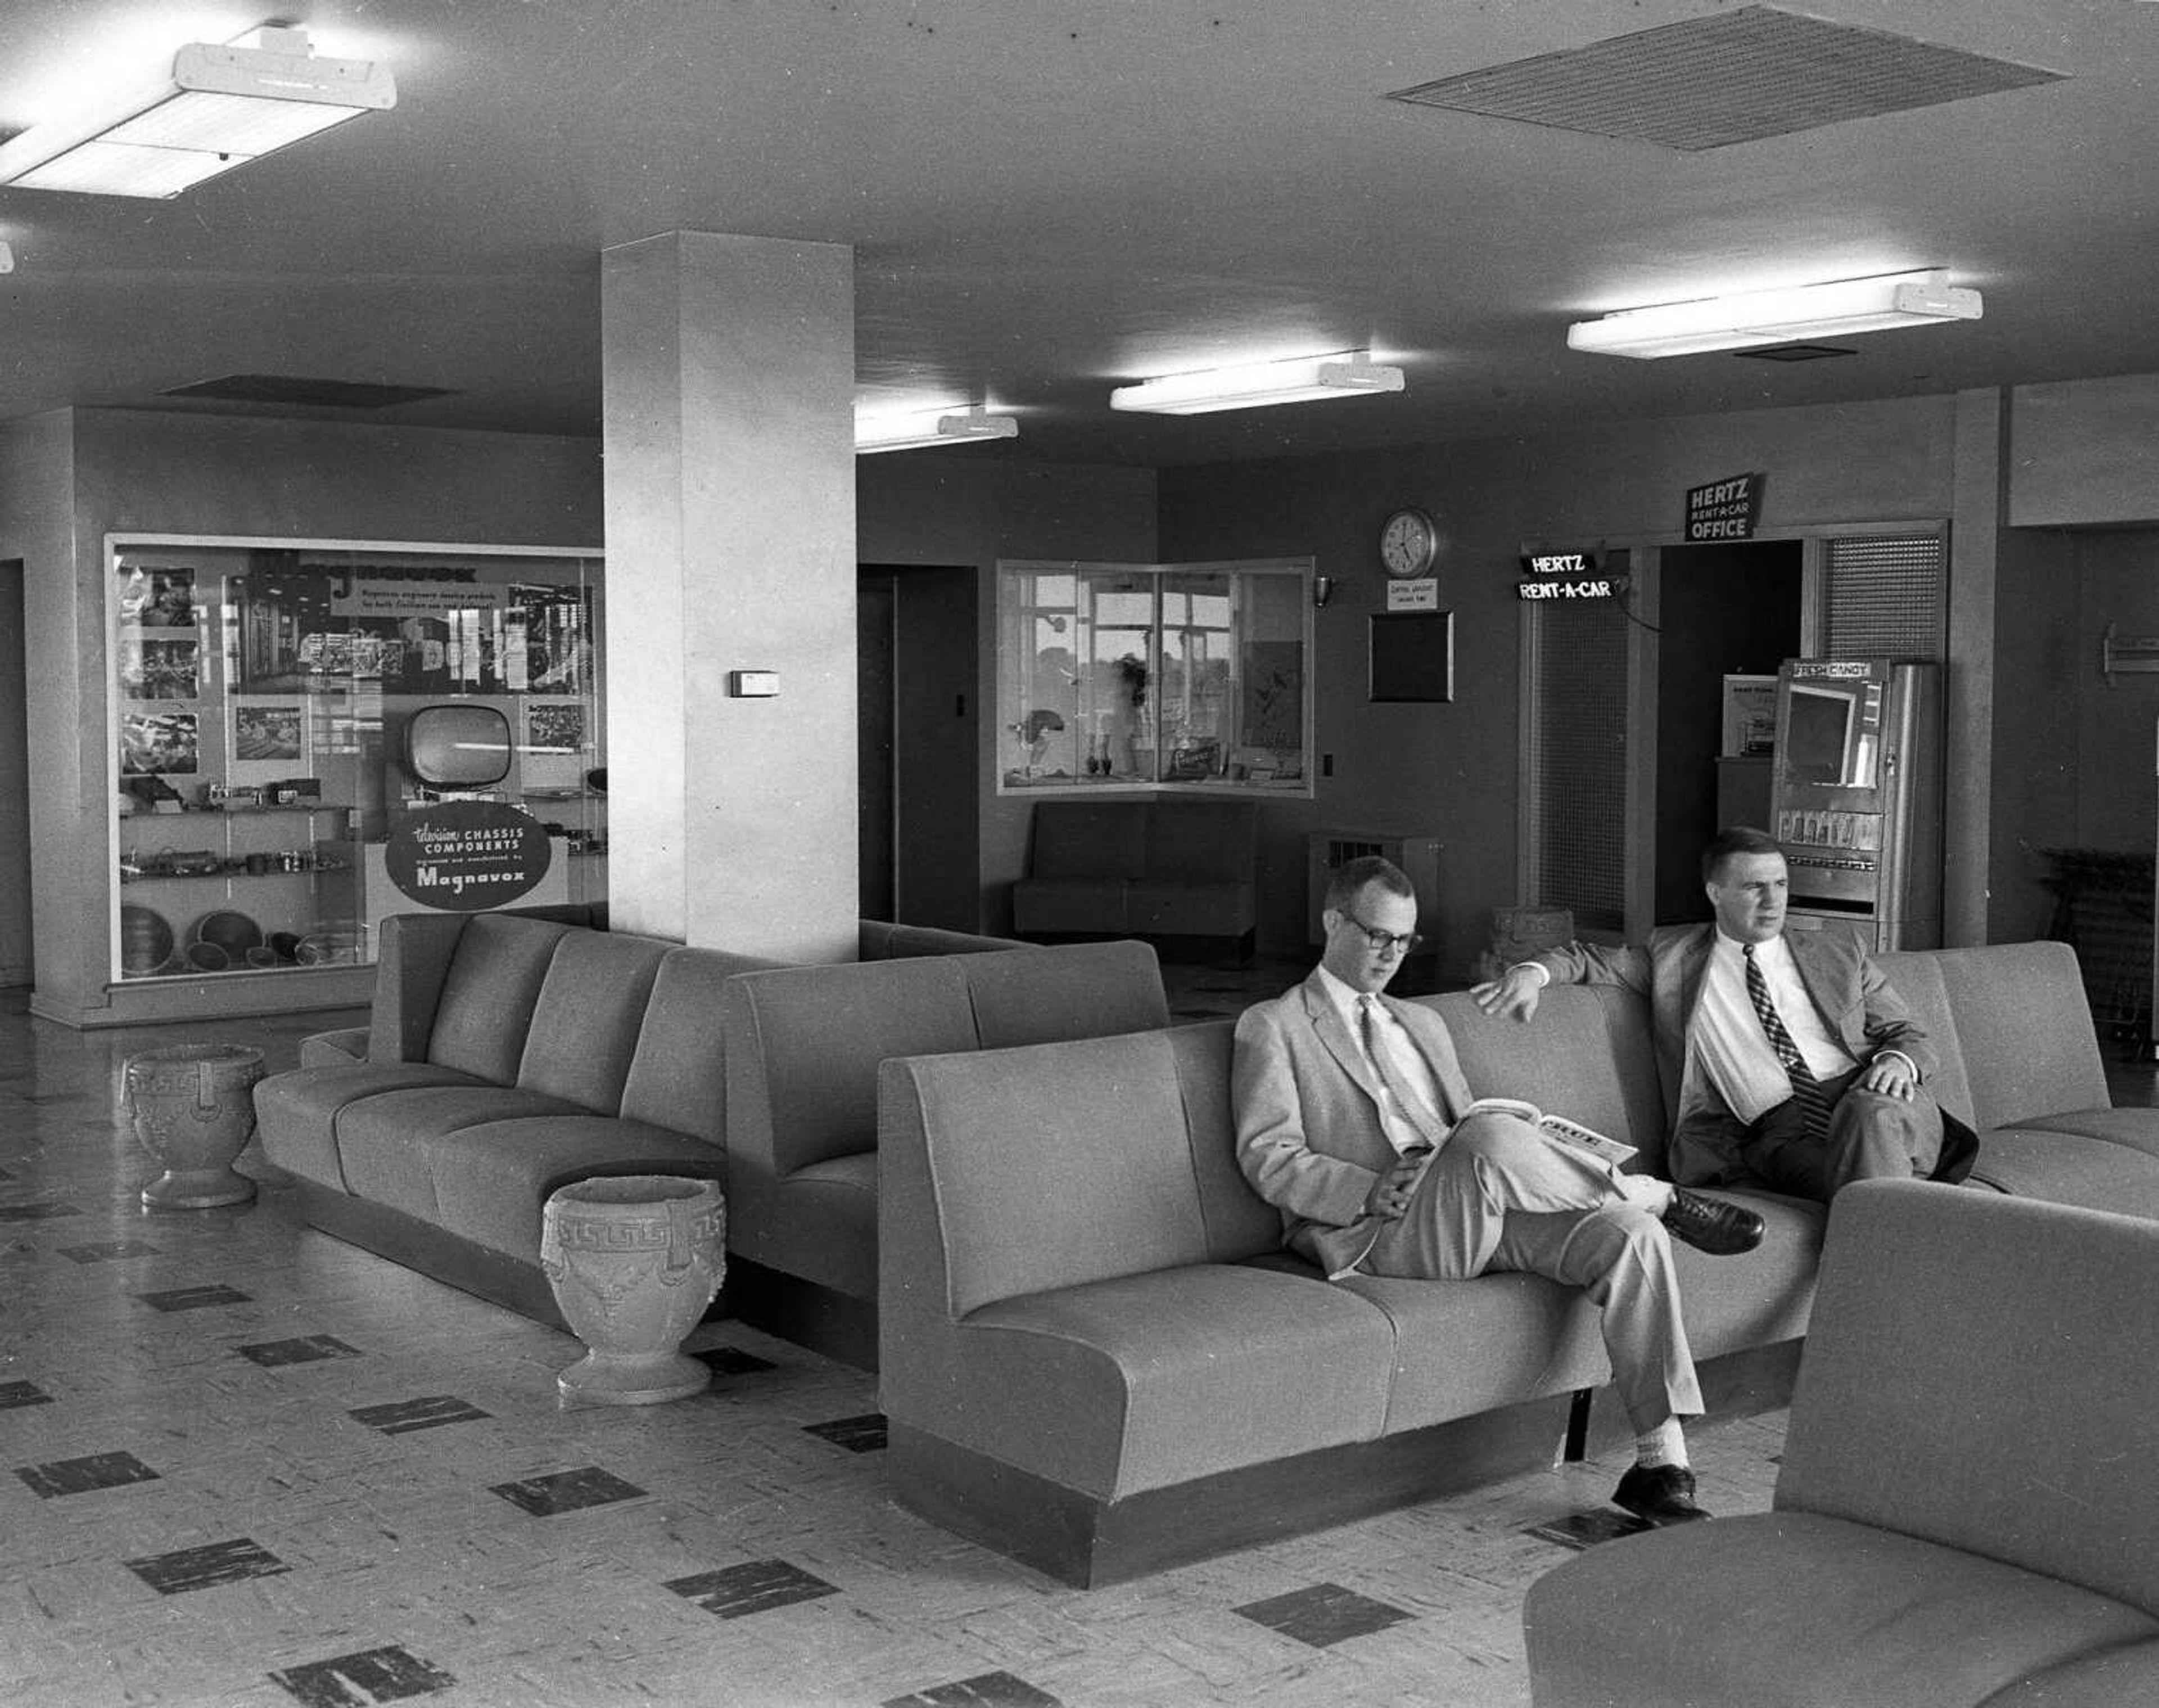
<point x="918" y="819"/>
<point x="1730" y="608"/>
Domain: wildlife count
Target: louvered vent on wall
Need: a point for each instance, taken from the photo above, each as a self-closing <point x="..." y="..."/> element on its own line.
<point x="1577" y="782"/>
<point x="1888" y="597"/>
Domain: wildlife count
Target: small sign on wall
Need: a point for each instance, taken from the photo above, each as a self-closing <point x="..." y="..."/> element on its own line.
<point x="1724" y="509"/>
<point x="1422" y="594"/>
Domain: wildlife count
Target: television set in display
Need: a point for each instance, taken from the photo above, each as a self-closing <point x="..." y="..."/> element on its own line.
<point x="456" y="747"/>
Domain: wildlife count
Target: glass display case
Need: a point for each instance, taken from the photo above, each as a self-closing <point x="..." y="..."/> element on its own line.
<point x="1142" y="676"/>
<point x="266" y="796"/>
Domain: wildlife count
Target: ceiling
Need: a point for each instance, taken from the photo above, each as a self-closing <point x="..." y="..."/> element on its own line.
<point x="1049" y="197"/>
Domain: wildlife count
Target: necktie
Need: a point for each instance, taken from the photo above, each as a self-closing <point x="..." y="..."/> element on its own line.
<point x="1813" y="1109"/>
<point x="1414" y="1110"/>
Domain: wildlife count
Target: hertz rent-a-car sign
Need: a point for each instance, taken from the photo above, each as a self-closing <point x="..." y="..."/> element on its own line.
<point x="466" y="857"/>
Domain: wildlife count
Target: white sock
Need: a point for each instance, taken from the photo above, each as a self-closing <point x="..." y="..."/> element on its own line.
<point x="1664" y="1444"/>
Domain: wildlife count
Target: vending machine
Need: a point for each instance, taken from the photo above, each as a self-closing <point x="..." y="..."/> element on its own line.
<point x="1855" y="797"/>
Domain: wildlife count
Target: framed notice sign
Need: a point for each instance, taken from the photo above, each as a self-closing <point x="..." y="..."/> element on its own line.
<point x="1412" y="656"/>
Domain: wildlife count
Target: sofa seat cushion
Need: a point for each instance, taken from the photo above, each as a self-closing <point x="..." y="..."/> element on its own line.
<point x="1760" y="1299"/>
<point x="1468" y="1346"/>
<point x="297" y="1111"/>
<point x="384" y="1142"/>
<point x="2070" y="1168"/>
<point x="2138" y="1128"/>
<point x="1050" y="904"/>
<point x="1148" y="1380"/>
<point x="1794" y="1610"/>
<point x="818" y="1223"/>
<point x="491" y="1181"/>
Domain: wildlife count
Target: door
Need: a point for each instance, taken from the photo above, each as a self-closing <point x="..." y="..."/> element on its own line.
<point x="918" y="658"/>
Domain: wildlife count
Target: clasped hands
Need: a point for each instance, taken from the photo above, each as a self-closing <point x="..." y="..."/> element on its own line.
<point x="1390" y="1193"/>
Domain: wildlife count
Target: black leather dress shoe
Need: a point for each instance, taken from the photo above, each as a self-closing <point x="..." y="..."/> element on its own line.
<point x="1711" y="1225"/>
<point x="1657" y="1494"/>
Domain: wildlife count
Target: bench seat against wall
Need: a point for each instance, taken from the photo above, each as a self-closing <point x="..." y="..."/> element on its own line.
<point x="1095" y="1357"/>
<point x="1966" y="1501"/>
<point x="803" y="1047"/>
<point x="1165" y="866"/>
<point x="506" y="1056"/>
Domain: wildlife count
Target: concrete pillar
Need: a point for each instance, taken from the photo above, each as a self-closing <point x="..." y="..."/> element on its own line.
<point x="728" y="370"/>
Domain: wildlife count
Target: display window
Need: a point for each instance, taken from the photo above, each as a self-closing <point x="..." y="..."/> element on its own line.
<point x="1148" y="676"/>
<point x="312" y="736"/>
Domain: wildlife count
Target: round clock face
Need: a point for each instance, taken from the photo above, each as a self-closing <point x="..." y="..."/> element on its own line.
<point x="1408" y="543"/>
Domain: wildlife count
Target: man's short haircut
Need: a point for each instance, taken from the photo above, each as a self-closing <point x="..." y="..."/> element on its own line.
<point x="1352" y="876"/>
<point x="1730" y="843"/>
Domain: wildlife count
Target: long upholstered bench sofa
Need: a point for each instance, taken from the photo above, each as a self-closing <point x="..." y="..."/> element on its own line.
<point x="510" y="1054"/>
<point x="1966" y="1501"/>
<point x="1095" y="1357"/>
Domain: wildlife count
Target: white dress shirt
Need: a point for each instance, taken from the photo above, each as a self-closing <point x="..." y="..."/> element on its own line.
<point x="1407" y="1059"/>
<point x="1726" y="1037"/>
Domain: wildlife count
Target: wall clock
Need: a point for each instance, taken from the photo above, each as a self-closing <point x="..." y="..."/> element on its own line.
<point x="1409" y="541"/>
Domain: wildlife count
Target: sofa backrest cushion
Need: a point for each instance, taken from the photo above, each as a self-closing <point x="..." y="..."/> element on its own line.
<point x="1054" y="1165"/>
<point x="1088" y="839"/>
<point x="678" y="1075"/>
<point x="2022" y="1029"/>
<point x="1239" y="1223"/>
<point x="1075" y="990"/>
<point x="585" y="1025"/>
<point x="803" y="1046"/>
<point x="1587" y="1055"/>
<point x="413" y="952"/>
<point x="489" y="992"/>
<point x="1202" y="841"/>
<point x="1978" y="1373"/>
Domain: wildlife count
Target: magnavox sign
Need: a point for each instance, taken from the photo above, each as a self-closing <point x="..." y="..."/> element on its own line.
<point x="1724" y="509"/>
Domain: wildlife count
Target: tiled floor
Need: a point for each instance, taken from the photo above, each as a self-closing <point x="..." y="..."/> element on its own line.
<point x="248" y="1467"/>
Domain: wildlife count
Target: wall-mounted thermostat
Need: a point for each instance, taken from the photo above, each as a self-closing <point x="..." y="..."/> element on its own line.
<point x="752" y="685"/>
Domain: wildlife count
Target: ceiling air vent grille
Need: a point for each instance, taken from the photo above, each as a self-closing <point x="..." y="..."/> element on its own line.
<point x="1735" y="76"/>
<point x="319" y="394"/>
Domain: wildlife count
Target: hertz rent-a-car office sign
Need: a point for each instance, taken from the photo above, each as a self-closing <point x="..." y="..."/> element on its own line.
<point x="1724" y="509"/>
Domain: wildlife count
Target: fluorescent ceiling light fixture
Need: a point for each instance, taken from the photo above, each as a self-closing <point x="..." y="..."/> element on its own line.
<point x="908" y="432"/>
<point x="1836" y="310"/>
<point x="1307" y="379"/>
<point x="221" y="108"/>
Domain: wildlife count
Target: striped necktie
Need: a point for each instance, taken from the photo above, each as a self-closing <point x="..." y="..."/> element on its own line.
<point x="1813" y="1108"/>
<point x="1416" y="1111"/>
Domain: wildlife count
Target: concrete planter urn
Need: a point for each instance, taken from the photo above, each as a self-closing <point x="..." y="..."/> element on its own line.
<point x="634" y="1261"/>
<point x="192" y="1108"/>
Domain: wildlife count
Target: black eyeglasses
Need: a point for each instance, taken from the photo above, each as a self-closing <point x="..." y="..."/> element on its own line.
<point x="1404" y="943"/>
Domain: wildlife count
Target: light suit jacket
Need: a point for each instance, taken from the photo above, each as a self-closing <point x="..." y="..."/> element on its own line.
<point x="1856" y="1002"/>
<point x="1309" y="1137"/>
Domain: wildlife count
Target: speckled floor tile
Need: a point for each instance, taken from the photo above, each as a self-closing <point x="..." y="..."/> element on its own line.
<point x="256" y="1468"/>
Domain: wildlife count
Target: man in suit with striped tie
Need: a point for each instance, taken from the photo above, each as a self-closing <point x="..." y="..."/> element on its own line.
<point x="1786" y="1058"/>
<point x="1350" y="1108"/>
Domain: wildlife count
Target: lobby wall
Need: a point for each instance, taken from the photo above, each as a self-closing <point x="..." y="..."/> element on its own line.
<point x="1450" y="770"/>
<point x="958" y="507"/>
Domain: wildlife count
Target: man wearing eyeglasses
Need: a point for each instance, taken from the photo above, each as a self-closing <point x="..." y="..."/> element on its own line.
<point x="1348" y="1107"/>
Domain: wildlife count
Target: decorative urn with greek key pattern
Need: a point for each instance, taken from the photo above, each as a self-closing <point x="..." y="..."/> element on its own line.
<point x="633" y="1260"/>
<point x="193" y="1107"/>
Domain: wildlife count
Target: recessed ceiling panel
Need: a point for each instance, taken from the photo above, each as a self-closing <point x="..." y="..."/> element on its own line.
<point x="1736" y="76"/>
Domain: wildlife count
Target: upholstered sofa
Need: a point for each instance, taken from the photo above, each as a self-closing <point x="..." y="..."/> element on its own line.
<point x="1966" y="1502"/>
<point x="505" y="1056"/>
<point x="1095" y="1356"/>
<point x="509" y="1055"/>
<point x="1166" y="866"/>
<point x="803" y="1047"/>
